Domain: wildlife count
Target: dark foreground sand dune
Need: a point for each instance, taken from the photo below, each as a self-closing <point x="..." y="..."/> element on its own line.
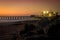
<point x="30" y="30"/>
<point x="10" y="32"/>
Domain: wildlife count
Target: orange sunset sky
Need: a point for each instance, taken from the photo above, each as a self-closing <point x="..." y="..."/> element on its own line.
<point x="27" y="7"/>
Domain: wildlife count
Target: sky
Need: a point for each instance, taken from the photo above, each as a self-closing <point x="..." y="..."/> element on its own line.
<point x="27" y="7"/>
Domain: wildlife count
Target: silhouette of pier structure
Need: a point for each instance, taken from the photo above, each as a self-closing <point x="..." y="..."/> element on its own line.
<point x="16" y="18"/>
<point x="10" y="26"/>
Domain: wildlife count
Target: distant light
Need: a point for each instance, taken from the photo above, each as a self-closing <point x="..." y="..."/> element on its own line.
<point x="50" y="15"/>
<point x="54" y="12"/>
<point x="45" y="12"/>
